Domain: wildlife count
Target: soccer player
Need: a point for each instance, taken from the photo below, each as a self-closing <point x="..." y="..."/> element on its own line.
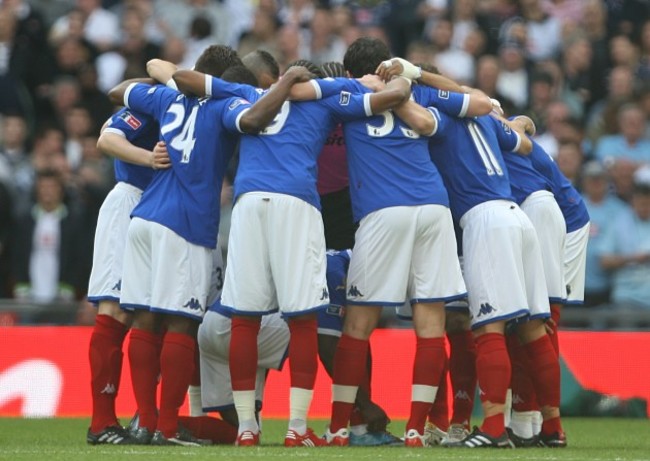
<point x="264" y="67"/>
<point x="277" y="240"/>
<point x="497" y="238"/>
<point x="168" y="255"/>
<point x="129" y="137"/>
<point x="405" y="248"/>
<point x="576" y="217"/>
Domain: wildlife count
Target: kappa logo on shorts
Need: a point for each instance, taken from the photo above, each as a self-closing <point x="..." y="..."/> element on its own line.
<point x="354" y="292"/>
<point x="344" y="100"/>
<point x="193" y="304"/>
<point x="485" y="309"/>
<point x="462" y="395"/>
<point x="117" y="286"/>
<point x="324" y="295"/>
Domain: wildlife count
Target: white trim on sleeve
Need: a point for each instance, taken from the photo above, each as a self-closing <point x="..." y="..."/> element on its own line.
<point x="239" y="118"/>
<point x="208" y="85"/>
<point x="518" y="145"/>
<point x="433" y="111"/>
<point x="319" y="92"/>
<point x="114" y="131"/>
<point x="463" y="110"/>
<point x="366" y="104"/>
<point x="127" y="93"/>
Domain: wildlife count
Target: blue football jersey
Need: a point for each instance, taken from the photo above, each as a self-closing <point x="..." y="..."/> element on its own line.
<point x="467" y="151"/>
<point x="201" y="135"/>
<point x="567" y="197"/>
<point x="524" y="178"/>
<point x="141" y="130"/>
<point x="389" y="163"/>
<point x="283" y="157"/>
<point x="331" y="319"/>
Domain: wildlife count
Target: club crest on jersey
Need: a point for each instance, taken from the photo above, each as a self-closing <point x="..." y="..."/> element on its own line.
<point x="442" y="94"/>
<point x="506" y="128"/>
<point x="344" y="100"/>
<point x="237" y="103"/>
<point x="131" y="120"/>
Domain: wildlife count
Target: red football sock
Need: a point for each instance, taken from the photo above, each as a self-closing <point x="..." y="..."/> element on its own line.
<point x="303" y="352"/>
<point x="429" y="363"/>
<point x="493" y="425"/>
<point x="523" y="391"/>
<point x="551" y="426"/>
<point x="349" y="369"/>
<point x="205" y="427"/>
<point x="105" y="354"/>
<point x="494" y="373"/>
<point x="144" y="358"/>
<point x="176" y="368"/>
<point x="556" y="310"/>
<point x="356" y="418"/>
<point x="243" y="352"/>
<point x="439" y="413"/>
<point x="544" y="371"/>
<point x="462" y="372"/>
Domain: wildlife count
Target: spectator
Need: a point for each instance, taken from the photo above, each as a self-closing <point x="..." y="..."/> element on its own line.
<point x="262" y="35"/>
<point x="569" y="159"/>
<point x="603" y="211"/>
<point x="602" y="118"/>
<point x="513" y="78"/>
<point x="402" y="24"/>
<point x="487" y="76"/>
<point x="100" y="27"/>
<point x="626" y="249"/>
<point x="555" y="115"/>
<point x="78" y="124"/>
<point x="176" y="16"/>
<point x="568" y="12"/>
<point x="454" y="62"/>
<point x="623" y="52"/>
<point x="576" y="67"/>
<point x="630" y="142"/>
<point x="130" y="58"/>
<point x="325" y="46"/>
<point x="622" y="172"/>
<point x="44" y="249"/>
<point x="594" y="24"/>
<point x="200" y="37"/>
<point x="543" y="32"/>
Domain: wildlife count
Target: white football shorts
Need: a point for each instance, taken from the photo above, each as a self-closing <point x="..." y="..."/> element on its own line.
<point x="546" y="216"/>
<point x="575" y="264"/>
<point x="405" y="253"/>
<point x="110" y="238"/>
<point x="214" y="346"/>
<point x="163" y="272"/>
<point x="276" y="257"/>
<point x="503" y="264"/>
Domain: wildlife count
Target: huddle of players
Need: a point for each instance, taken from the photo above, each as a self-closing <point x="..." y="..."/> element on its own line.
<point x="405" y="247"/>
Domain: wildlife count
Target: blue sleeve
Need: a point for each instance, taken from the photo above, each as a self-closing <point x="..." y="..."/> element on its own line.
<point x="508" y="138"/>
<point x="443" y="123"/>
<point x="232" y="113"/>
<point x="216" y="88"/>
<point x="129" y="124"/>
<point x="348" y="106"/>
<point x="326" y="87"/>
<point x="151" y="100"/>
<point x="454" y="104"/>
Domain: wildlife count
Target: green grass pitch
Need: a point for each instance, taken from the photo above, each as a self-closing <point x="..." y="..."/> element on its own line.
<point x="64" y="439"/>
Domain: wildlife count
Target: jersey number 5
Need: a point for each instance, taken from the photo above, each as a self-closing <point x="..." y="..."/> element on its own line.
<point x="184" y="141"/>
<point x="386" y="128"/>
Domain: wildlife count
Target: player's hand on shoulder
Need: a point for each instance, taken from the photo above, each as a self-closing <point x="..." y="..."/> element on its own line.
<point x="298" y="74"/>
<point x="373" y="82"/>
<point x="160" y="157"/>
<point x="398" y="67"/>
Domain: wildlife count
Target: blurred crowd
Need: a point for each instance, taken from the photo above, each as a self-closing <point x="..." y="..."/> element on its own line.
<point x="579" y="68"/>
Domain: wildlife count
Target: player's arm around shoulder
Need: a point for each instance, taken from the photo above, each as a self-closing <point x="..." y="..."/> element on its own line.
<point x="265" y="109"/>
<point x="117" y="93"/>
<point x="524" y="145"/>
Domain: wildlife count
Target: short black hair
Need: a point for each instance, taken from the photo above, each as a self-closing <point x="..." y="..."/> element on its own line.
<point x="310" y="66"/>
<point x="260" y="61"/>
<point x="215" y="59"/>
<point x="333" y="69"/>
<point x="364" y="56"/>
<point x="240" y="74"/>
